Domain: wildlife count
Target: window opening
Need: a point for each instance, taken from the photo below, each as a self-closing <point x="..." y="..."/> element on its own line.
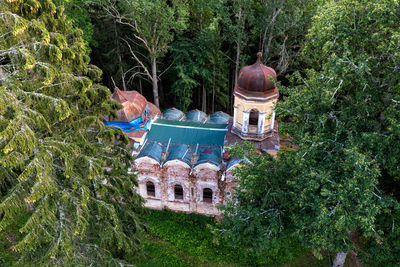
<point x="151" y="190"/>
<point x="207" y="195"/>
<point x="253" y="120"/>
<point x="178" y="190"/>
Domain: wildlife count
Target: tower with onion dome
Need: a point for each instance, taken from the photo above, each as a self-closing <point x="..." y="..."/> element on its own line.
<point x="255" y="96"/>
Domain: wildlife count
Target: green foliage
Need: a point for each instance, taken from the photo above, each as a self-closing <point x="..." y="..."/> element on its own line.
<point x="155" y="22"/>
<point x="195" y="51"/>
<point x="385" y="250"/>
<point x="179" y="239"/>
<point x="199" y="63"/>
<point x="65" y="172"/>
<point x="79" y="12"/>
<point x="258" y="216"/>
<point x="344" y="116"/>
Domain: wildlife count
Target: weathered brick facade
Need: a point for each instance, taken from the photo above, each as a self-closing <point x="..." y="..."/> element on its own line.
<point x="193" y="181"/>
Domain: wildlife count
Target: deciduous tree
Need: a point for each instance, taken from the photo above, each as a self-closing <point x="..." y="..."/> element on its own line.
<point x="153" y="24"/>
<point x="344" y="115"/>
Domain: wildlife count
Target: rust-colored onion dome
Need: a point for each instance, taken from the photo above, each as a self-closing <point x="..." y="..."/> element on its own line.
<point x="255" y="79"/>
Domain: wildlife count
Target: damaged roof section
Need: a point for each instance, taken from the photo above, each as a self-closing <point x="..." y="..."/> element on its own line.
<point x="236" y="161"/>
<point x="210" y="155"/>
<point x="153" y="109"/>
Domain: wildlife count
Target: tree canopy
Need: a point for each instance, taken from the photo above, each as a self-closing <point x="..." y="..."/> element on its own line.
<point x="63" y="174"/>
<point x="64" y="177"/>
<point x="343" y="114"/>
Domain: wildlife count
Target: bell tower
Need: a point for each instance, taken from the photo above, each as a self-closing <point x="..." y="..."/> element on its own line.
<point x="255" y="96"/>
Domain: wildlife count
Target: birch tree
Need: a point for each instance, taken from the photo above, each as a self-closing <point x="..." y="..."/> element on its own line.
<point x="153" y="24"/>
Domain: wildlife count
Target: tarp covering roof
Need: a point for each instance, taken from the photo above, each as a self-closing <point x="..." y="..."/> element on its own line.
<point x="173" y="114"/>
<point x="152" y="150"/>
<point x="211" y="155"/>
<point x="140" y="123"/>
<point x="219" y="118"/>
<point x="195" y="115"/>
<point x="190" y="133"/>
<point x="181" y="152"/>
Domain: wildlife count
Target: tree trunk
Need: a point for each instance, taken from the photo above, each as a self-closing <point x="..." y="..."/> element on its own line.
<point x="161" y="92"/>
<point x="213" y="93"/>
<point x="204" y="100"/>
<point x="154" y="80"/>
<point x="237" y="61"/>
<point x="339" y="259"/>
<point x="119" y="57"/>
<point x="239" y="39"/>
<point x="198" y="96"/>
<point x="271" y="27"/>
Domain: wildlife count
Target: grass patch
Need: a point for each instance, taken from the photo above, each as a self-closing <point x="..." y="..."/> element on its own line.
<point x="179" y="239"/>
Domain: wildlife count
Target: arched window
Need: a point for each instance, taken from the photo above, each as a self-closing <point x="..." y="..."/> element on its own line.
<point x="253" y="119"/>
<point x="178" y="190"/>
<point x="151" y="190"/>
<point x="207" y="195"/>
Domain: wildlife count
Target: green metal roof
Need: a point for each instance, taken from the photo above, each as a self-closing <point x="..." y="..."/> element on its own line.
<point x="211" y="155"/>
<point x="190" y="133"/>
<point x="190" y="124"/>
<point x="152" y="150"/>
<point x="173" y="114"/>
<point x="219" y="118"/>
<point x="195" y="115"/>
<point x="181" y="152"/>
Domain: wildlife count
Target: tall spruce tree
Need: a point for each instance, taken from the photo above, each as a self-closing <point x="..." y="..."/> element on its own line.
<point x="63" y="173"/>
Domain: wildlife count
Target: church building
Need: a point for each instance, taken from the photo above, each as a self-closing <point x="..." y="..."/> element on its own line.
<point x="180" y="159"/>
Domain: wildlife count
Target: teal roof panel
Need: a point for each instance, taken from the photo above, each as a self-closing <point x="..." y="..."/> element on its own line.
<point x="152" y="150"/>
<point x="190" y="133"/>
<point x="181" y="152"/>
<point x="195" y="115"/>
<point x="173" y="114"/>
<point x="219" y="118"/>
<point x="211" y="155"/>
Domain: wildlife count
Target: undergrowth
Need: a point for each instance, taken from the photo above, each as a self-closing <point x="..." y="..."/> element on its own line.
<point x="179" y="239"/>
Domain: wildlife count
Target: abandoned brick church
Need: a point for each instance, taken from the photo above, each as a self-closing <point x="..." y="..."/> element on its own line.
<point x="180" y="158"/>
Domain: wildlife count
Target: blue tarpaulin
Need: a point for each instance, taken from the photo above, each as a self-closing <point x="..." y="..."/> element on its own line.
<point x="134" y="125"/>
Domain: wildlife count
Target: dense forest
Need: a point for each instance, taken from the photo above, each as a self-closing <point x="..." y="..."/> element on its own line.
<point x="188" y="53"/>
<point x="68" y="197"/>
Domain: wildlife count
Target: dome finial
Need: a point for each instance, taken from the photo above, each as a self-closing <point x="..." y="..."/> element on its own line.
<point x="259" y="56"/>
